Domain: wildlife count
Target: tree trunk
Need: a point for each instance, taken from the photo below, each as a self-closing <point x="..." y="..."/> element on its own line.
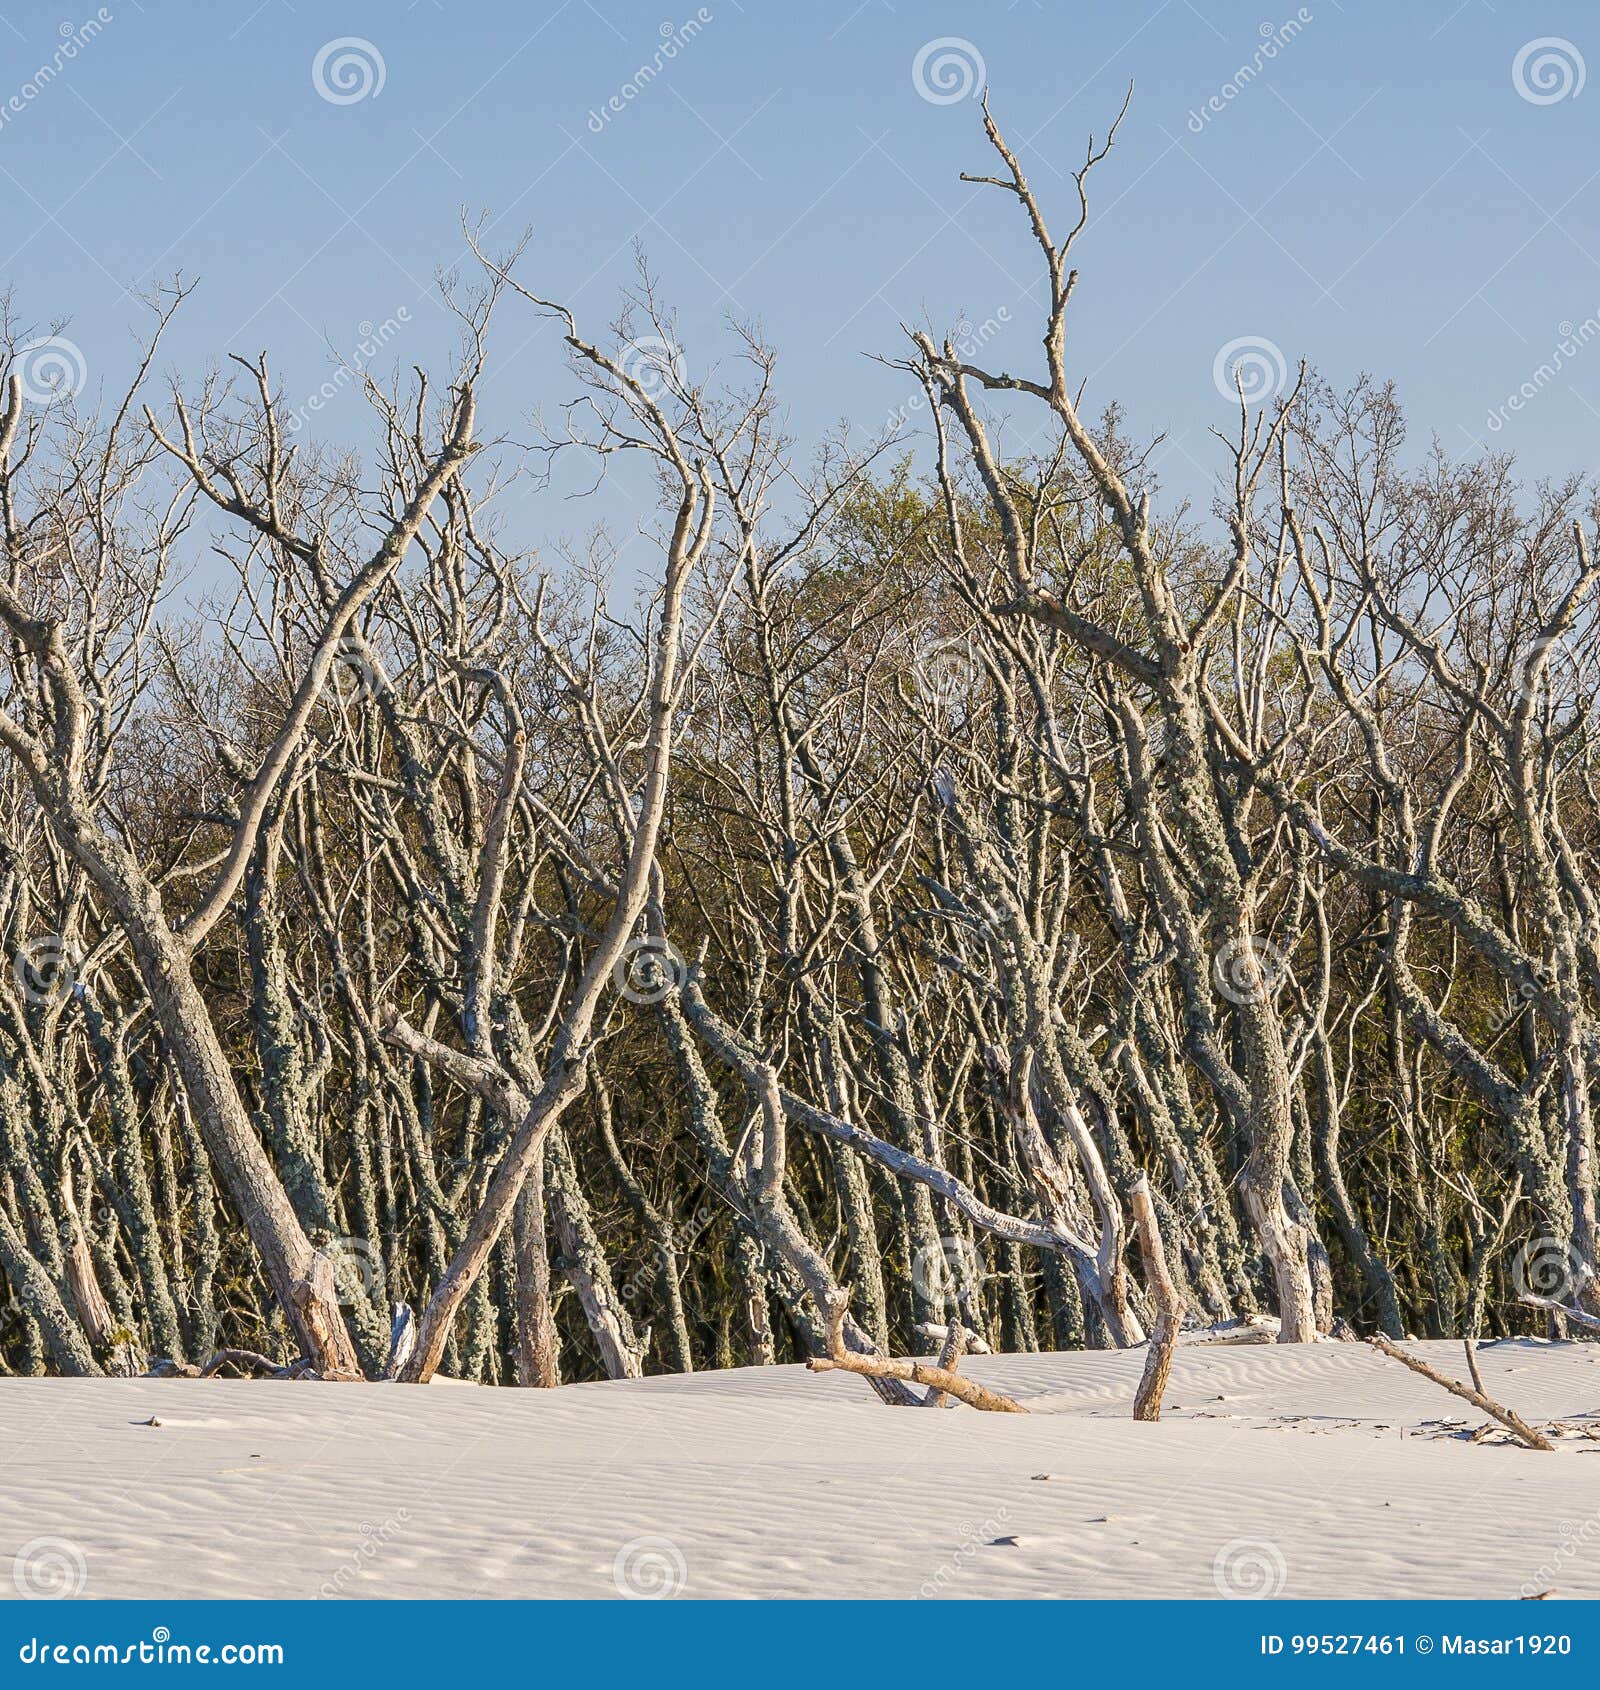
<point x="538" y="1346"/>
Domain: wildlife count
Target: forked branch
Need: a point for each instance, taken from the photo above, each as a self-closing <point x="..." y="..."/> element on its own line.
<point x="1514" y="1423"/>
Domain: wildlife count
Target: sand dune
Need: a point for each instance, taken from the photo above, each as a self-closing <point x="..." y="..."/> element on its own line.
<point x="1302" y="1471"/>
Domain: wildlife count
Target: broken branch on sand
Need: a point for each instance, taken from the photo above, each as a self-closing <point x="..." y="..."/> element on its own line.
<point x="1576" y="1316"/>
<point x="941" y="1380"/>
<point x="1514" y="1423"/>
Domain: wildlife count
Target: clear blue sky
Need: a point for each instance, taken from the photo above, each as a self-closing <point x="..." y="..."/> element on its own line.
<point x="1379" y="194"/>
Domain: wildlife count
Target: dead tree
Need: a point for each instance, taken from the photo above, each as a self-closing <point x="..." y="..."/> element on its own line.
<point x="1187" y="835"/>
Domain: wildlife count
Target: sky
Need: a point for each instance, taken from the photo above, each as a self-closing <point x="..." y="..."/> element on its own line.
<point x="1411" y="190"/>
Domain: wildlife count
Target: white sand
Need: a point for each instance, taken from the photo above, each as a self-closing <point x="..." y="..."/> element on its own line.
<point x="1314" y="1471"/>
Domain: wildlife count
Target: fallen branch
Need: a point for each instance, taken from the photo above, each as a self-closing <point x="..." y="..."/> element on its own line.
<point x="1588" y="1321"/>
<point x="1169" y="1306"/>
<point x="1592" y="1433"/>
<point x="1248" y="1329"/>
<point x="975" y="1346"/>
<point x="936" y="1378"/>
<point x="250" y="1362"/>
<point x="1513" y="1423"/>
<point x="919" y="1373"/>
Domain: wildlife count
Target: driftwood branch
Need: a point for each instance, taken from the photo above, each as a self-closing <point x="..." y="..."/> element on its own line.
<point x="919" y="1373"/>
<point x="1514" y="1423"/>
<point x="972" y="1344"/>
<point x="930" y="1374"/>
<point x="249" y="1362"/>
<point x="1247" y="1329"/>
<point x="1576" y="1316"/>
